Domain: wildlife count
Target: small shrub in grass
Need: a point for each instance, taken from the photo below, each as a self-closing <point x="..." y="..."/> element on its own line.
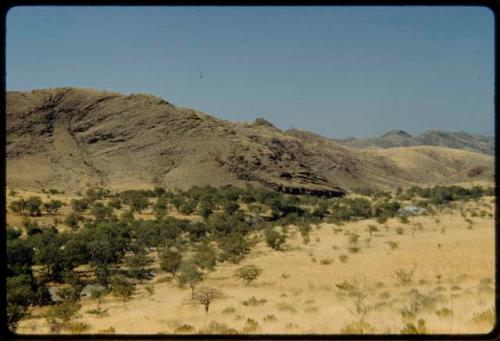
<point x="252" y="301"/>
<point x="404" y="277"/>
<point x="110" y="330"/>
<point x="229" y="310"/>
<point x="444" y="313"/>
<point x="185" y="329"/>
<point x="418" y="328"/>
<point x="455" y="287"/>
<point x="393" y="245"/>
<point x="400" y="230"/>
<point x="357" y="327"/>
<point x="326" y="261"/>
<point x="121" y="287"/>
<point x="485" y="317"/>
<point x="343" y="258"/>
<point x="60" y="314"/>
<point x="311" y="310"/>
<point x="291" y="325"/>
<point x="217" y="328"/>
<point x="77" y="327"/>
<point x="282" y="306"/>
<point x="269" y="318"/>
<point x="251" y="326"/>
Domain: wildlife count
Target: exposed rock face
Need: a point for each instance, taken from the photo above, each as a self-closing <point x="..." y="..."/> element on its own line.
<point x="70" y="138"/>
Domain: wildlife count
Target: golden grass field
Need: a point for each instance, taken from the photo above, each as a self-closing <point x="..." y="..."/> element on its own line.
<point x="453" y="263"/>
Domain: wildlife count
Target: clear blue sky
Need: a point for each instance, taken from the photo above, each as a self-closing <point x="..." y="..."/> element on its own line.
<point x="337" y="71"/>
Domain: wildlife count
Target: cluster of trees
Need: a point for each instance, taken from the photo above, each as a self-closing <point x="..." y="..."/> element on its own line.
<point x="108" y="235"/>
<point x="33" y="206"/>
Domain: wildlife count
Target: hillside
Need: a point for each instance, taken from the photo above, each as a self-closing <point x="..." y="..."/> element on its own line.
<point x="455" y="140"/>
<point x="70" y="138"/>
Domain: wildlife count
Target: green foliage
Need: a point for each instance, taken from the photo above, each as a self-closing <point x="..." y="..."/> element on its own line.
<point x="138" y="265"/>
<point x="234" y="247"/>
<point x="115" y="203"/>
<point x="170" y="261"/>
<point x="72" y="220"/>
<point x="19" y="296"/>
<point x="189" y="274"/>
<point x="248" y="273"/>
<point x="80" y="205"/>
<point x="205" y="256"/>
<point x="62" y="313"/>
<point x="274" y="239"/>
<point x="52" y="206"/>
<point x="121" y="287"/>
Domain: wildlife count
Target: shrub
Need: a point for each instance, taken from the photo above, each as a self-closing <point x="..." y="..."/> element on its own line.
<point x="248" y="273"/>
<point x="251" y="326"/>
<point x="393" y="245"/>
<point x="62" y="313"/>
<point x="229" y="310"/>
<point x="282" y="306"/>
<point x="343" y="258"/>
<point x="326" y="261"/>
<point x="252" y="301"/>
<point x="121" y="287"/>
<point x="444" y="313"/>
<point x="405" y="276"/>
<point x="485" y="317"/>
<point x="217" y="328"/>
<point x="269" y="318"/>
<point x="274" y="239"/>
<point x="184" y="329"/>
<point x="357" y="327"/>
<point x="411" y="328"/>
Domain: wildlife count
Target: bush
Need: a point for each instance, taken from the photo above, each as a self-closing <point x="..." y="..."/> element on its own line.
<point x="121" y="287"/>
<point x="274" y="239"/>
<point x="252" y="301"/>
<point x="248" y="273"/>
<point x="357" y="327"/>
<point x="411" y="328"/>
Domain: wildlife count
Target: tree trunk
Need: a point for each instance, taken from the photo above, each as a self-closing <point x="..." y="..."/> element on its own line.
<point x="206" y="307"/>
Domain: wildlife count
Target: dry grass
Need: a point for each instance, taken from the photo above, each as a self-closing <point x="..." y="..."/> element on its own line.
<point x="301" y="296"/>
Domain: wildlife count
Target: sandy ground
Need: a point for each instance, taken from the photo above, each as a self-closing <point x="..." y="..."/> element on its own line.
<point x="301" y="293"/>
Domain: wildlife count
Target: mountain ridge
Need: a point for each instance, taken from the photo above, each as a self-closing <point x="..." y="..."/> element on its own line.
<point x="82" y="137"/>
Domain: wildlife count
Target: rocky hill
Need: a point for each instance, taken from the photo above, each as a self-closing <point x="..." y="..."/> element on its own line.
<point x="70" y="138"/>
<point x="455" y="140"/>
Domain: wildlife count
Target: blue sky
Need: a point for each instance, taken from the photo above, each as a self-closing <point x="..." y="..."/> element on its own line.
<point x="336" y="71"/>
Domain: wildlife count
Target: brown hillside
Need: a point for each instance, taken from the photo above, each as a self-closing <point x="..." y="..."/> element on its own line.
<point x="69" y="138"/>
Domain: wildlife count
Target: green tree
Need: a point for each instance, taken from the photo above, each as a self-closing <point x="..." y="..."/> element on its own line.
<point x="33" y="205"/>
<point x="189" y="274"/>
<point x="19" y="296"/>
<point x="205" y="256"/>
<point x="138" y="265"/>
<point x="170" y="261"/>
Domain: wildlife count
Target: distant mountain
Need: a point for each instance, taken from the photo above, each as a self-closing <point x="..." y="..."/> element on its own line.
<point x="70" y="138"/>
<point x="456" y="140"/>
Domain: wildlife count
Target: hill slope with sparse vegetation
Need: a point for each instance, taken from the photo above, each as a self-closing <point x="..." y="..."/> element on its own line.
<point x="80" y="137"/>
